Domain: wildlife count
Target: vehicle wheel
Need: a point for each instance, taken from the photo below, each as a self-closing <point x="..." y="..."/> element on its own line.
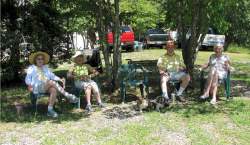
<point x="145" y="45"/>
<point x="203" y="47"/>
<point x="179" y="45"/>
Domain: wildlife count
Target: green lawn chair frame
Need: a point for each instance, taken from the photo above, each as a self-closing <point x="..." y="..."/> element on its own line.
<point x="127" y="74"/>
<point x="80" y="94"/>
<point x="34" y="99"/>
<point x="226" y="82"/>
<point x="173" y="87"/>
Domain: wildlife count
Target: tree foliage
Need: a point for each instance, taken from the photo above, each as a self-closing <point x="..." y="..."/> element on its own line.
<point x="141" y="14"/>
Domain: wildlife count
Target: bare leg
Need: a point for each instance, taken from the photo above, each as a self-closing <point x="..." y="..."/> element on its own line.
<point x="214" y="86"/>
<point x="55" y="85"/>
<point x="53" y="94"/>
<point x="88" y="95"/>
<point x="96" y="92"/>
<point x="184" y="83"/>
<point x="185" y="80"/>
<point x="209" y="82"/>
<point x="164" y="80"/>
<point x="98" y="97"/>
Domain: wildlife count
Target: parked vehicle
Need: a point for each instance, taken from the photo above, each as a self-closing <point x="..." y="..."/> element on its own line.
<point x="127" y="38"/>
<point x="210" y="39"/>
<point x="155" y="37"/>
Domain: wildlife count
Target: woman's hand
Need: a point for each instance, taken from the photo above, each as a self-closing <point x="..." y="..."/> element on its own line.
<point x="30" y="89"/>
<point x="204" y="66"/>
<point x="85" y="78"/>
<point x="63" y="82"/>
<point x="226" y="65"/>
<point x="161" y="72"/>
<point x="70" y="75"/>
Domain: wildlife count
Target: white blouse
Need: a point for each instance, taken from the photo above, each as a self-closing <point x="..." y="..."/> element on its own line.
<point x="36" y="78"/>
<point x="219" y="62"/>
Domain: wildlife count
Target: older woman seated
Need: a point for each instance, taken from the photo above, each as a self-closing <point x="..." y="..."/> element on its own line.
<point x="41" y="80"/>
<point x="218" y="65"/>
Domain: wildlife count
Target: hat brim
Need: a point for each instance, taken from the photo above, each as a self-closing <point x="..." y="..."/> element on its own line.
<point x="79" y="55"/>
<point x="33" y="56"/>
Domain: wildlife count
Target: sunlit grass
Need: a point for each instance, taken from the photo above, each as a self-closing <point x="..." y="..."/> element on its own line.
<point x="194" y="123"/>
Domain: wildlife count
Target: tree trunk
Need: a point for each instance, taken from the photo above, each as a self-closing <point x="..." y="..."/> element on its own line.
<point x="103" y="47"/>
<point x="117" y="50"/>
<point x="198" y="26"/>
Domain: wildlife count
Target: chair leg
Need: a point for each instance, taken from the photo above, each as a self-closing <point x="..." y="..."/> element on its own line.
<point x="202" y="82"/>
<point x="227" y="88"/>
<point x="79" y="103"/>
<point x="36" y="105"/>
<point x="124" y="95"/>
<point x="122" y="91"/>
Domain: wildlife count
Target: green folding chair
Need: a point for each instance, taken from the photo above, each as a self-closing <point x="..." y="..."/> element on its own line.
<point x="225" y="81"/>
<point x="34" y="99"/>
<point x="132" y="75"/>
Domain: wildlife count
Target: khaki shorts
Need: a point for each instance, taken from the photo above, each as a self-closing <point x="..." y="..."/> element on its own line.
<point x="84" y="84"/>
<point x="176" y="76"/>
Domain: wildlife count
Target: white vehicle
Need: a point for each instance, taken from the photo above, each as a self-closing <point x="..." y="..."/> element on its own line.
<point x="210" y="39"/>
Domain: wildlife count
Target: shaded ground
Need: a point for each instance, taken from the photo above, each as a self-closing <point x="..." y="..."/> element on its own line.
<point x="190" y="123"/>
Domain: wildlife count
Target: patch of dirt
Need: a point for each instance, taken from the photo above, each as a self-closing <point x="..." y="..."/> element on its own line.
<point x="171" y="138"/>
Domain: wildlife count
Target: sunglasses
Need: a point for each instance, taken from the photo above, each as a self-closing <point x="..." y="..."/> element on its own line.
<point x="40" y="58"/>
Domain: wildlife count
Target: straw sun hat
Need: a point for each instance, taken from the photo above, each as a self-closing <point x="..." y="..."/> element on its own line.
<point x="78" y="54"/>
<point x="33" y="56"/>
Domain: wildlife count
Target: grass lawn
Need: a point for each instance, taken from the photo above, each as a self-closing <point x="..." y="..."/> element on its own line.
<point x="190" y="123"/>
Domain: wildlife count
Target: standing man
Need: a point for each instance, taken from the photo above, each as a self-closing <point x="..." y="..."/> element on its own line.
<point x="171" y="67"/>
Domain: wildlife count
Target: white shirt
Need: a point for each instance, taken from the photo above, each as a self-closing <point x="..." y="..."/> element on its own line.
<point x="219" y="64"/>
<point x="36" y="79"/>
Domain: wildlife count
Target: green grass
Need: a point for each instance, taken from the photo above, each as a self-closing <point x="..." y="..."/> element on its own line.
<point x="192" y="123"/>
<point x="238" y="49"/>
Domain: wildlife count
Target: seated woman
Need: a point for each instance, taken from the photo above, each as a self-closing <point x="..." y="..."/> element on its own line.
<point x="82" y="73"/>
<point x="218" y="65"/>
<point x="41" y="80"/>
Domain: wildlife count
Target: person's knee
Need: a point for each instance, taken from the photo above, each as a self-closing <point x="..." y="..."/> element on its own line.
<point x="187" y="77"/>
<point x="87" y="90"/>
<point x="164" y="79"/>
<point x="53" y="91"/>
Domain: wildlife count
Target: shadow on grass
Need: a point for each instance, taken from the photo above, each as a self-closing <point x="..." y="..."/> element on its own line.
<point x="193" y="108"/>
<point x="9" y="113"/>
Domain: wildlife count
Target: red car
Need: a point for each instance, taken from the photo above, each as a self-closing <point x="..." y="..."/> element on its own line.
<point x="127" y="38"/>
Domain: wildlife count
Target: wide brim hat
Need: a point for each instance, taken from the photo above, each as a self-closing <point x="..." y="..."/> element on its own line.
<point x="33" y="56"/>
<point x="78" y="54"/>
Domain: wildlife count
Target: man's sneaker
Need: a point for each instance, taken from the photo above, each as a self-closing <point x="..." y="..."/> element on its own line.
<point x="89" y="108"/>
<point x="52" y="113"/>
<point x="73" y="99"/>
<point x="181" y="98"/>
<point x="101" y="105"/>
<point x="165" y="95"/>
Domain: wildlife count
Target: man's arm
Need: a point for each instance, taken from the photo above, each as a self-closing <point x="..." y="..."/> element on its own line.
<point x="93" y="71"/>
<point x="70" y="73"/>
<point x="162" y="69"/>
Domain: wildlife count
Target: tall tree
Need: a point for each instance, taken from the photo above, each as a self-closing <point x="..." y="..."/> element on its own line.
<point x="190" y="16"/>
<point x="117" y="48"/>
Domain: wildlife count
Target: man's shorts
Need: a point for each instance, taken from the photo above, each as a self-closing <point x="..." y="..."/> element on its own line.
<point x="84" y="84"/>
<point x="176" y="76"/>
